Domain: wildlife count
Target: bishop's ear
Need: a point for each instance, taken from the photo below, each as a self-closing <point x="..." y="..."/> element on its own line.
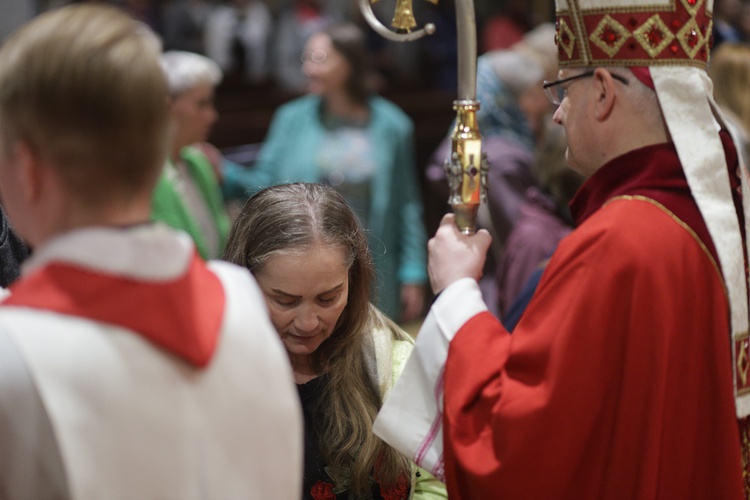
<point x="605" y="86"/>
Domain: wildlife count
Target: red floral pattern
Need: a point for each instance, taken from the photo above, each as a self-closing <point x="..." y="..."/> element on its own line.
<point x="322" y="491"/>
<point x="398" y="491"/>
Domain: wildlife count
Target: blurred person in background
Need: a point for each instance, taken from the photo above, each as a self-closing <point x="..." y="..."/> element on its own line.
<point x="296" y="22"/>
<point x="363" y="145"/>
<point x="184" y="25"/>
<point x="237" y="37"/>
<point x="729" y="69"/>
<point x="505" y="25"/>
<point x="743" y="22"/>
<point x="727" y="15"/>
<point x="188" y="195"/>
<point x="543" y="220"/>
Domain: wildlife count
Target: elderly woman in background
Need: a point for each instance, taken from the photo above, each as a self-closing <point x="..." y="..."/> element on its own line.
<point x="310" y="256"/>
<point x="361" y="144"/>
<point x="188" y="195"/>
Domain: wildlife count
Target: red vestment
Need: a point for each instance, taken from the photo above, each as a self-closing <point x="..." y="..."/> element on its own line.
<point x="617" y="382"/>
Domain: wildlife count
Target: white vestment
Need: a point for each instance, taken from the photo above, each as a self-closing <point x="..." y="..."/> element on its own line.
<point x="92" y="409"/>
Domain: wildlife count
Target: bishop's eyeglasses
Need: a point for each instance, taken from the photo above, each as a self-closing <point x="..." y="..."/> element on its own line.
<point x="556" y="92"/>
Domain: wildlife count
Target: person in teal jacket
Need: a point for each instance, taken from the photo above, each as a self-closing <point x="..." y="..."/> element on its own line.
<point x="187" y="195"/>
<point x="310" y="256"/>
<point x="343" y="135"/>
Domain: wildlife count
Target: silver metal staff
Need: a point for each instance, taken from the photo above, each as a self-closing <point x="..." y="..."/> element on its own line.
<point x="466" y="169"/>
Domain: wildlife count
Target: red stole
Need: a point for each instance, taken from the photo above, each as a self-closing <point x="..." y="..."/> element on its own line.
<point x="183" y="315"/>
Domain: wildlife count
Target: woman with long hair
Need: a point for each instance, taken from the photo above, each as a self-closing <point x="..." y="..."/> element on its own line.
<point x="311" y="259"/>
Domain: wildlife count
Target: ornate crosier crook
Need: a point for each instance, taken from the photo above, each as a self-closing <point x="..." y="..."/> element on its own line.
<point x="466" y="169"/>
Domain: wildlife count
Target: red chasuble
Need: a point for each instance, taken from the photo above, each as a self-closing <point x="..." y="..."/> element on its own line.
<point x="617" y="382"/>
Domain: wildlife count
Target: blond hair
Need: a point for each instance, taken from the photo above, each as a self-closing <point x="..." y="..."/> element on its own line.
<point x="81" y="86"/>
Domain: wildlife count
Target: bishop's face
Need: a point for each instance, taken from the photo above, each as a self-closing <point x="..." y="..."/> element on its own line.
<point x="575" y="116"/>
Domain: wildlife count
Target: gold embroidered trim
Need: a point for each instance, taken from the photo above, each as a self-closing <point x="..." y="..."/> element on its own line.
<point x="609" y="35"/>
<point x="692" y="9"/>
<point x="650" y="32"/>
<point x="566" y="38"/>
<point x="664" y="38"/>
<point x="580" y="31"/>
<point x="575" y="63"/>
<point x="633" y="9"/>
<point x="744" y="425"/>
<point x="691" y="38"/>
<point x="742" y="363"/>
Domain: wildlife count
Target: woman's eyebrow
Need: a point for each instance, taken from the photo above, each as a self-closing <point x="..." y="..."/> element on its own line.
<point x="282" y="292"/>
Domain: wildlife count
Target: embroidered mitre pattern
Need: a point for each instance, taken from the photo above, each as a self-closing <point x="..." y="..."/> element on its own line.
<point x="674" y="33"/>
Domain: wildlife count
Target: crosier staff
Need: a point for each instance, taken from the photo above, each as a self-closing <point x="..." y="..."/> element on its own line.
<point x="466" y="169"/>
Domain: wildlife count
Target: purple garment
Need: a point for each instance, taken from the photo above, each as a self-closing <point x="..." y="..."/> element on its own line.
<point x="533" y="239"/>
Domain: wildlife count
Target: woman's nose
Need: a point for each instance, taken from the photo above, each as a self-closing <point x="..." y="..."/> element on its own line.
<point x="307" y="320"/>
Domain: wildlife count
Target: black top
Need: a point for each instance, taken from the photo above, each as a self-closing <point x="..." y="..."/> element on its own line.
<point x="319" y="482"/>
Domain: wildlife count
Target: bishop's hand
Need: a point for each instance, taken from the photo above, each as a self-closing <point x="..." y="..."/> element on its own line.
<point x="453" y="255"/>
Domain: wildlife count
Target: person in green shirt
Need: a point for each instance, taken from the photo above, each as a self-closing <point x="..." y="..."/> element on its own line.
<point x="187" y="195"/>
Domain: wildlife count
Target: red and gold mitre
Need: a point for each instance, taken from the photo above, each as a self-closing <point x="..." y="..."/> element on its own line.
<point x="666" y="43"/>
<point x="634" y="32"/>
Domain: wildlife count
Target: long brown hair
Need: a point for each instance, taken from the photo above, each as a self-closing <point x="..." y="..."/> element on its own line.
<point x="291" y="217"/>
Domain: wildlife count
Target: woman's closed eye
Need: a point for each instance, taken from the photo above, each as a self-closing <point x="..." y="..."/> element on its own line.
<point x="291" y="301"/>
<point x="286" y="301"/>
<point x="328" y="300"/>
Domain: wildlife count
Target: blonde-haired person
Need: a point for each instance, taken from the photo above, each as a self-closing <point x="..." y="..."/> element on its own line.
<point x="129" y="367"/>
<point x="188" y="195"/>
<point x="729" y="68"/>
<point x="310" y="256"/>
